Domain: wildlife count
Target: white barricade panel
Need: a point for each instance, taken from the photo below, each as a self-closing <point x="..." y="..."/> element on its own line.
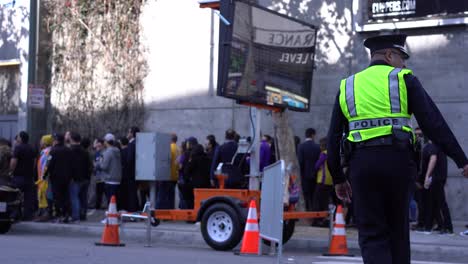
<point x="271" y="209"/>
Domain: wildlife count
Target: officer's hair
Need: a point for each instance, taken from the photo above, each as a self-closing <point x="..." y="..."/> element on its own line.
<point x="310" y="132"/>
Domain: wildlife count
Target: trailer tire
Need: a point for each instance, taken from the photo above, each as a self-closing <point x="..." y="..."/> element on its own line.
<point x="4" y="227"/>
<point x="155" y="222"/>
<point x="288" y="231"/>
<point x="221" y="227"/>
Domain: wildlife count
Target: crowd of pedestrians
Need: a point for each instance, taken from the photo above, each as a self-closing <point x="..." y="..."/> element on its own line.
<point x="67" y="175"/>
<point x="56" y="179"/>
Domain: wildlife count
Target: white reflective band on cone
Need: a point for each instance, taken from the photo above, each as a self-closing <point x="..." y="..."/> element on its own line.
<point x="112" y="208"/>
<point x="339" y="231"/>
<point x="112" y="221"/>
<point x="339" y="219"/>
<point x="251" y="227"/>
<point x="252" y="214"/>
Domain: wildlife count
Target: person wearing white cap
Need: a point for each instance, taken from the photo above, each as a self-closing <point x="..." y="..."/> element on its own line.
<point x="111" y="167"/>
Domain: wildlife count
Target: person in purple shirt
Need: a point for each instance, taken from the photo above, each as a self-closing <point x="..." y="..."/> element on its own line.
<point x="265" y="153"/>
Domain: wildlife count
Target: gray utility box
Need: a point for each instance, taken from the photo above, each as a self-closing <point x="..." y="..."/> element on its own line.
<point x="153" y="157"/>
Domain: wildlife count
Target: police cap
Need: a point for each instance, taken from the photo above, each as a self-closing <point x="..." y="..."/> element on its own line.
<point x="387" y="42"/>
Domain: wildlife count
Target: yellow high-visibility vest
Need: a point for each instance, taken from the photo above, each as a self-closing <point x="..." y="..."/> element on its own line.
<point x="375" y="102"/>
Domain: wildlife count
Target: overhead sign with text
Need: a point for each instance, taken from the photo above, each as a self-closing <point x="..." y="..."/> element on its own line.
<point x="270" y="57"/>
<point x="395" y="10"/>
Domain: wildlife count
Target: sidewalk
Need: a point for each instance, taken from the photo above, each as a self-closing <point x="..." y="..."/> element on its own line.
<point x="305" y="239"/>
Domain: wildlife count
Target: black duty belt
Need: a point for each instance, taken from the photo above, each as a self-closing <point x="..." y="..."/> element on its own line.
<point x="375" y="142"/>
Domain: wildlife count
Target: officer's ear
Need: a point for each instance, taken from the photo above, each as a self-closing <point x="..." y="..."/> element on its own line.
<point x="388" y="54"/>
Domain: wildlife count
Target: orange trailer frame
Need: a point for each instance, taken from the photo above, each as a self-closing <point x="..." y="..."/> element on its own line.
<point x="245" y="196"/>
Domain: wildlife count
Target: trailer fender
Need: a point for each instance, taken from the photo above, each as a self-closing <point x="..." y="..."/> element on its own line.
<point x="236" y="204"/>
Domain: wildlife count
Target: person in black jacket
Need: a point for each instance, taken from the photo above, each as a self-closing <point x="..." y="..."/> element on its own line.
<point x="80" y="177"/>
<point x="124" y="183"/>
<point x="22" y="165"/>
<point x="435" y="176"/>
<point x="308" y="154"/>
<point x="131" y="185"/>
<point x="60" y="172"/>
<point x="197" y="170"/>
<point x="224" y="153"/>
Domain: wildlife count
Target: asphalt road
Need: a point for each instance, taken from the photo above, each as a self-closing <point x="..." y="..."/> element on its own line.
<point x="34" y="249"/>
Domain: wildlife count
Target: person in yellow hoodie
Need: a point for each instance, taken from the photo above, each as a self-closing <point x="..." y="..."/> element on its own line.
<point x="42" y="181"/>
<point x="324" y="188"/>
<point x="174" y="169"/>
<point x="166" y="189"/>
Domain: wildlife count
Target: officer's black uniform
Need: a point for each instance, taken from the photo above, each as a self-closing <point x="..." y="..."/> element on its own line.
<point x="381" y="174"/>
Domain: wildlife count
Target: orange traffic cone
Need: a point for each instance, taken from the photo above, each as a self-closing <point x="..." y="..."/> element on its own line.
<point x="338" y="246"/>
<point x="110" y="236"/>
<point x="251" y="233"/>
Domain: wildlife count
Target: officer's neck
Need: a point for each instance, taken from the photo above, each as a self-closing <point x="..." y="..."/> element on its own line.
<point x="379" y="62"/>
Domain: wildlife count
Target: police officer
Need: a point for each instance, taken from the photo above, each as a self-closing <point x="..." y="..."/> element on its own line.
<point x="373" y="109"/>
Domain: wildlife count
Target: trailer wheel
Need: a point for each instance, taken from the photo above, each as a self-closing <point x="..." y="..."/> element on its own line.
<point x="4" y="227"/>
<point x="221" y="227"/>
<point x="154" y="221"/>
<point x="288" y="231"/>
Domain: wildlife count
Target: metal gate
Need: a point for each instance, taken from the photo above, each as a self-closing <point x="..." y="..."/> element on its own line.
<point x="9" y="99"/>
<point x="8" y="126"/>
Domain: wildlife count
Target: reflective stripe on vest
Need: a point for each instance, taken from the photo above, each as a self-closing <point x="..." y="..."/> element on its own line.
<point x="377" y="122"/>
<point x="356" y="136"/>
<point x="350" y="102"/>
<point x="394" y="86"/>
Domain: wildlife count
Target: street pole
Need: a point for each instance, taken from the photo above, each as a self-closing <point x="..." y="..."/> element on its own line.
<point x="32" y="57"/>
<point x="211" y="84"/>
<point x="36" y="120"/>
<point x="254" y="182"/>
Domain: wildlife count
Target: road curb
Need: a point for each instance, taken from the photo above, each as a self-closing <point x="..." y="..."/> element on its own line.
<point x="193" y="238"/>
<point x="127" y="234"/>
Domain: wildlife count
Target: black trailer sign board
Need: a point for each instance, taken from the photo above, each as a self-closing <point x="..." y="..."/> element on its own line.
<point x="265" y="57"/>
<point x="414" y="9"/>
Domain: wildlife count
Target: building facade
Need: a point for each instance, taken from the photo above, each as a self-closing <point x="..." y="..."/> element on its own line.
<point x="14" y="56"/>
<point x="180" y="96"/>
<point x="181" y="43"/>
